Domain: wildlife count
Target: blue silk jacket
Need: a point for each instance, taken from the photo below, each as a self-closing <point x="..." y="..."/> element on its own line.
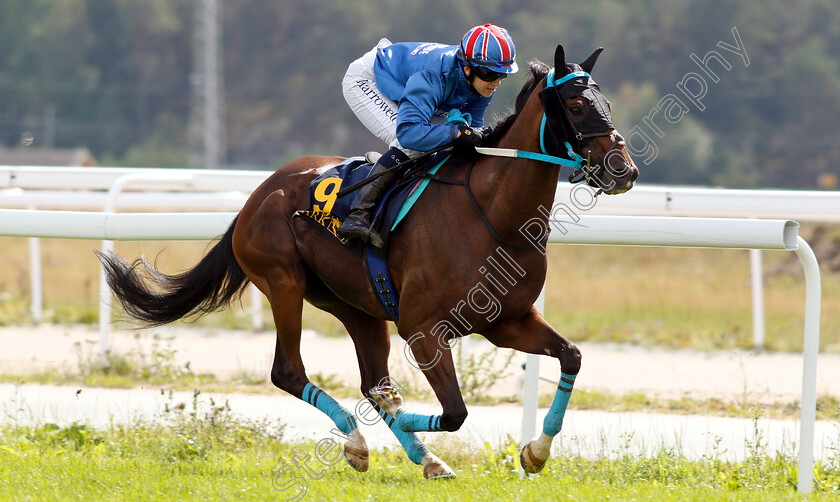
<point x="426" y="80"/>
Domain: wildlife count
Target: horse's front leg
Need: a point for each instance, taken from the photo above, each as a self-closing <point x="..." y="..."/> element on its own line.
<point x="434" y="359"/>
<point x="533" y="335"/>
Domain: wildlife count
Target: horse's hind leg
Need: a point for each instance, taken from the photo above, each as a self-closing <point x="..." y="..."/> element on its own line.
<point x="427" y="348"/>
<point x="532" y="334"/>
<point x="439" y="369"/>
<point x="288" y="373"/>
<point x="266" y="250"/>
<point x="372" y="343"/>
<point x="372" y="348"/>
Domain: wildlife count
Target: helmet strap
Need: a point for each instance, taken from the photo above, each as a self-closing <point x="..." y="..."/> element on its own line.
<point x="470" y="79"/>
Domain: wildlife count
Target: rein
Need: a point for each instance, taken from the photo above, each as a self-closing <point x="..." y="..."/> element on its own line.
<point x="583" y="168"/>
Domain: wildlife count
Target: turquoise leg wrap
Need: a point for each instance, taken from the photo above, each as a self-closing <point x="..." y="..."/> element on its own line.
<point x="554" y="419"/>
<point x="414" y="422"/>
<point x="415" y="448"/>
<point x="343" y="419"/>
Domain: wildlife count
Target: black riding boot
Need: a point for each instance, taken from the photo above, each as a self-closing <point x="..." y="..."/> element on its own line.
<point x="357" y="224"/>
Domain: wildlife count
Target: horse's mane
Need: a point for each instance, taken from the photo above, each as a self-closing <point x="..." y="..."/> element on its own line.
<point x="538" y="71"/>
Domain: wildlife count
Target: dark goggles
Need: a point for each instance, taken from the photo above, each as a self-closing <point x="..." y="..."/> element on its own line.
<point x="487" y="74"/>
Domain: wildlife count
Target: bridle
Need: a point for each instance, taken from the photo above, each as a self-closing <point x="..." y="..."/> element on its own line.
<point x="565" y="154"/>
<point x="551" y="83"/>
<point x="583" y="171"/>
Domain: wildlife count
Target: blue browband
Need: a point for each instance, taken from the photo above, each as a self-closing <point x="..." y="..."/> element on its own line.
<point x="576" y="162"/>
<point x="575" y="74"/>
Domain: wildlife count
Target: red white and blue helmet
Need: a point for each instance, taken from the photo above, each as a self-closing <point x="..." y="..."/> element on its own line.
<point x="489" y="46"/>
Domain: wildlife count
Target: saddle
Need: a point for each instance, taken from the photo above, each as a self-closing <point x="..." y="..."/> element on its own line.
<point x="326" y="210"/>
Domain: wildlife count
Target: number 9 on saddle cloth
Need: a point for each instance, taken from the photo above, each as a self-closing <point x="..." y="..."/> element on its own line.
<point x="327" y="210"/>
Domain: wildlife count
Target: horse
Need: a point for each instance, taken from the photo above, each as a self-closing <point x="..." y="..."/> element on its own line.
<point x="460" y="262"/>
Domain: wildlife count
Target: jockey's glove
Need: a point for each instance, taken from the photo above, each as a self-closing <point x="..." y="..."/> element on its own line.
<point x="468" y="137"/>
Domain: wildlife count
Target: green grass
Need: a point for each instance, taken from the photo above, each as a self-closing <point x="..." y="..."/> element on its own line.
<point x="206" y="454"/>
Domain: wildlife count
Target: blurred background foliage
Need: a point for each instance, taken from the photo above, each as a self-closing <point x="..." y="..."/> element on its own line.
<point x="116" y="77"/>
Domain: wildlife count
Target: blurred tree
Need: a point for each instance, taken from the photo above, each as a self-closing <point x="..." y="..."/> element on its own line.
<point x="114" y="75"/>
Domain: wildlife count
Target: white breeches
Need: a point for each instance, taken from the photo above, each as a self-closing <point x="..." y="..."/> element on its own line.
<point x="374" y="110"/>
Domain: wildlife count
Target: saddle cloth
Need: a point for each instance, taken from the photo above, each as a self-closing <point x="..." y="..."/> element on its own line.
<point x="326" y="210"/>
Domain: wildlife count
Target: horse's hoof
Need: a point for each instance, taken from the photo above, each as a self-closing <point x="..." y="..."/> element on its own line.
<point x="435" y="468"/>
<point x="358" y="459"/>
<point x="530" y="463"/>
<point x="387" y="398"/>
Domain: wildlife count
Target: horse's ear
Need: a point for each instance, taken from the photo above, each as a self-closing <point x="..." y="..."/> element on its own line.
<point x="560" y="61"/>
<point x="590" y="61"/>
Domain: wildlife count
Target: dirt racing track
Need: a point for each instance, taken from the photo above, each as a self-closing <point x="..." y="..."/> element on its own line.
<point x="731" y="376"/>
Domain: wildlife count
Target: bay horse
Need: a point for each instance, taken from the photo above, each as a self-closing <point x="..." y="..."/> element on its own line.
<point x="438" y="259"/>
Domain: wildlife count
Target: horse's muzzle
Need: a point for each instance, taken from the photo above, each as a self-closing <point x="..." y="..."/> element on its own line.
<point x="619" y="172"/>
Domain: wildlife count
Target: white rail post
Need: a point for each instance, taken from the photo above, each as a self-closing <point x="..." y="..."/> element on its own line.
<point x="810" y="350"/>
<point x="256" y="308"/>
<point x="724" y="233"/>
<point x="36" y="280"/>
<point x="757" y="280"/>
<point x="108" y="246"/>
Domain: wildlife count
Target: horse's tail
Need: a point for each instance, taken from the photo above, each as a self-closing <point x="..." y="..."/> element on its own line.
<point x="155" y="298"/>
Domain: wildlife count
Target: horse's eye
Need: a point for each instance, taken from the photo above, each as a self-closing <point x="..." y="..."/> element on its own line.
<point x="576" y="110"/>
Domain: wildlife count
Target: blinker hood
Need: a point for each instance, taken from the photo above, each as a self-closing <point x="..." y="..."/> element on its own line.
<point x="568" y="81"/>
<point x="554" y="98"/>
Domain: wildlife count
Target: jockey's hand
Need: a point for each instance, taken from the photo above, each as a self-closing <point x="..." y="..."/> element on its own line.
<point x="468" y="137"/>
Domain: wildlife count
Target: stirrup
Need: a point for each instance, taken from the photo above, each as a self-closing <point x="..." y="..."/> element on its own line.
<point x="363" y="233"/>
<point x="372" y="157"/>
<point x="354" y="228"/>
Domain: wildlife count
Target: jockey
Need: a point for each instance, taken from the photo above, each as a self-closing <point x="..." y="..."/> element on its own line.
<point x="402" y="92"/>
